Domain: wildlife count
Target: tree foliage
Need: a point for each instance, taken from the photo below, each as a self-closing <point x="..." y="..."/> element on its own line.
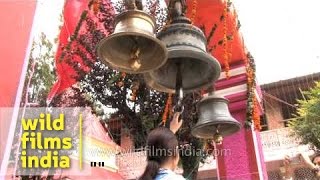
<point x="41" y="70"/>
<point x="38" y="82"/>
<point x="307" y="122"/>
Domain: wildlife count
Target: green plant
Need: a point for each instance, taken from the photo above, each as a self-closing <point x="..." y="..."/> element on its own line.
<point x="306" y="125"/>
<point x="40" y="73"/>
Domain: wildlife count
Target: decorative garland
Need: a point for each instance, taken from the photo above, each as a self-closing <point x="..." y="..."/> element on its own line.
<point x="121" y="79"/>
<point x="167" y="109"/>
<point x="225" y="40"/>
<point x="134" y="88"/>
<point x="256" y="115"/>
<point x="95" y="6"/>
<point x="252" y="103"/>
<point x="194" y="10"/>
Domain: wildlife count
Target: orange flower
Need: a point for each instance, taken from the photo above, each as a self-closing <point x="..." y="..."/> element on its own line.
<point x="95" y="6"/>
<point x="120" y="83"/>
<point x="225" y="40"/>
<point x="167" y="109"/>
<point x="255" y="114"/>
<point x="194" y="10"/>
<point x="134" y="90"/>
<point x="123" y="74"/>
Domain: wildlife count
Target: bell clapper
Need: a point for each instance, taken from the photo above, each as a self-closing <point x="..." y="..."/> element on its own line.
<point x="217" y="137"/>
<point x="134" y="61"/>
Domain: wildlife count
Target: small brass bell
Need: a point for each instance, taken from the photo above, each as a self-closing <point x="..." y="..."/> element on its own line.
<point x="133" y="48"/>
<point x="214" y="116"/>
<point x="186" y="46"/>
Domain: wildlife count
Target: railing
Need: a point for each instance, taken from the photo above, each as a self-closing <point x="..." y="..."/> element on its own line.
<point x="280" y="142"/>
<point x="278" y="139"/>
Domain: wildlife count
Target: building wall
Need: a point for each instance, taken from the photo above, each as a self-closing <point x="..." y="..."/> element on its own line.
<point x="273" y="114"/>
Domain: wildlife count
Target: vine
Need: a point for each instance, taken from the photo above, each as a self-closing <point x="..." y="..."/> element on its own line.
<point x="193" y="11"/>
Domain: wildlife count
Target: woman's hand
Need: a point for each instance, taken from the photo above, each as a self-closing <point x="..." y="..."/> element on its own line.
<point x="175" y="124"/>
<point x="286" y="161"/>
<point x="307" y="160"/>
<point x="286" y="170"/>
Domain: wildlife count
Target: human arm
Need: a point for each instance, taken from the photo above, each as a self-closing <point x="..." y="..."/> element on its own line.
<point x="286" y="169"/>
<point x="175" y="123"/>
<point x="307" y="160"/>
<point x="310" y="164"/>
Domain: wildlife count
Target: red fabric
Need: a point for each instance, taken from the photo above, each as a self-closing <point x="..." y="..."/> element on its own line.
<point x="73" y="10"/>
<point x="72" y="13"/>
<point x="208" y="13"/>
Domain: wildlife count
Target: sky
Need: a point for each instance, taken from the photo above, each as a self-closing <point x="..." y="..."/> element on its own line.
<point x="283" y="36"/>
<point x="47" y="18"/>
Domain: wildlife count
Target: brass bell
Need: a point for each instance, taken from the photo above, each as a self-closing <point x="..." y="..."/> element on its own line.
<point x="133" y="47"/>
<point x="214" y="116"/>
<point x="186" y="46"/>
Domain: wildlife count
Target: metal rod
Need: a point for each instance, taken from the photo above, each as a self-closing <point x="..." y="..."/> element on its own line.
<point x="179" y="89"/>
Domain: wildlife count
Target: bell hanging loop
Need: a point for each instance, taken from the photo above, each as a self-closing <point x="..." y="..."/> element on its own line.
<point x="133" y="4"/>
<point x="133" y="47"/>
<point x="186" y="45"/>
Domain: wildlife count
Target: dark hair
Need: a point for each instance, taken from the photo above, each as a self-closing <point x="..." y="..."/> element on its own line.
<point x="162" y="144"/>
<point x="317" y="154"/>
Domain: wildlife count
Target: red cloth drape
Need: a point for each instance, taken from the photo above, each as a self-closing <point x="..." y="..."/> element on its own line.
<point x="207" y="14"/>
<point x="73" y="10"/>
<point x="71" y="15"/>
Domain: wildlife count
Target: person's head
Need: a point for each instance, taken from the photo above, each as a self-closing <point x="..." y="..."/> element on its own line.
<point x="162" y="150"/>
<point x="316" y="159"/>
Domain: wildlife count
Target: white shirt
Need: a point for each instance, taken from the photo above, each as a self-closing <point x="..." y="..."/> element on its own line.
<point x="166" y="174"/>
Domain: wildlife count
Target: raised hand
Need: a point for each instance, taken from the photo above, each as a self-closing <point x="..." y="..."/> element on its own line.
<point x="175" y="123"/>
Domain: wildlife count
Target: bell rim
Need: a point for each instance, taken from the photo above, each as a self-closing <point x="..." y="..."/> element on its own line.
<point x="156" y="86"/>
<point x="108" y="38"/>
<point x="236" y="128"/>
<point x="119" y="17"/>
<point x="173" y="53"/>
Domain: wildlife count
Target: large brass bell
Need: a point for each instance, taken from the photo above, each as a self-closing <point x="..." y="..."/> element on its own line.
<point x="186" y="46"/>
<point x="214" y="118"/>
<point x="133" y="48"/>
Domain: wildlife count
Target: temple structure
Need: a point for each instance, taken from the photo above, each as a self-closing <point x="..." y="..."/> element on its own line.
<point x="218" y="20"/>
